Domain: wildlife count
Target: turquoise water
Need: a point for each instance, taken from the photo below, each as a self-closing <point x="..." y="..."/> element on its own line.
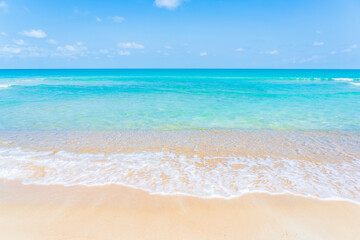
<point x="179" y="99"/>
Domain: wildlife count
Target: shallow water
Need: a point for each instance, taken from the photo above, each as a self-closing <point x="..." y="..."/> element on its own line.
<point x="203" y="163"/>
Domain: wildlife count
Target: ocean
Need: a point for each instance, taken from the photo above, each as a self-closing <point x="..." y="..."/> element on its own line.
<point x="200" y="132"/>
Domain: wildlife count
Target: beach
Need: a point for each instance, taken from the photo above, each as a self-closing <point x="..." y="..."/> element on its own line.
<point x="200" y="163"/>
<point x="116" y="212"/>
<point x="113" y="154"/>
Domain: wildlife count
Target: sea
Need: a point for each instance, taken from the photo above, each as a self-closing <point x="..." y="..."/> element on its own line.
<point x="209" y="133"/>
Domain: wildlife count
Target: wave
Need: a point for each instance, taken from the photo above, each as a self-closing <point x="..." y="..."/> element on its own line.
<point x="50" y="82"/>
<point x="169" y="173"/>
<point x="356" y="83"/>
<point x="87" y="81"/>
<point x="352" y="81"/>
<point x="5" y="85"/>
<point x="344" y="79"/>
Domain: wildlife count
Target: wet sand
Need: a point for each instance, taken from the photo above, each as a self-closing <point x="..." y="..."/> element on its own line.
<point x="315" y="146"/>
<point x="34" y="212"/>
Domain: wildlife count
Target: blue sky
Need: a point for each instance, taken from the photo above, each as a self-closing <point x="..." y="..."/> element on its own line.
<point x="180" y="34"/>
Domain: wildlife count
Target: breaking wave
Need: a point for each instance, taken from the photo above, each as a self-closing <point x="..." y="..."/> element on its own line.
<point x="165" y="172"/>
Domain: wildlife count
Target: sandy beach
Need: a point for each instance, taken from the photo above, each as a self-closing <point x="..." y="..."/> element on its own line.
<point x="179" y="120"/>
<point x="116" y="212"/>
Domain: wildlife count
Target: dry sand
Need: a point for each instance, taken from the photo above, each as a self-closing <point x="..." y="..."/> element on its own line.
<point x="33" y="212"/>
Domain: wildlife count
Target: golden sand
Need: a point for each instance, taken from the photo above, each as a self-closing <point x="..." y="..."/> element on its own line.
<point x="33" y="212"/>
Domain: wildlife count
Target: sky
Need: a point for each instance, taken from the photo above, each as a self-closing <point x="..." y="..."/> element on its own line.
<point x="180" y="34"/>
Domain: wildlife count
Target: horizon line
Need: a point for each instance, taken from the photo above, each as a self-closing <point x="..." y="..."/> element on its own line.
<point x="180" y="68"/>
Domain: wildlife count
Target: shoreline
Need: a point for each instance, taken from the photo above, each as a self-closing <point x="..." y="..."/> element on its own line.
<point x="180" y="194"/>
<point x="118" y="212"/>
<point x="204" y="164"/>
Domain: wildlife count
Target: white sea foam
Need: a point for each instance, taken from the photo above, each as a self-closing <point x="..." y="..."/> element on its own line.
<point x="169" y="173"/>
<point x="344" y="79"/>
<point x="356" y="83"/>
<point x="5" y="85"/>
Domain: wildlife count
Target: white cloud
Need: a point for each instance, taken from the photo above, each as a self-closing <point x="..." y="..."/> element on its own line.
<point x="239" y="49"/>
<point x="104" y="51"/>
<point x="351" y="48"/>
<point x="272" y="52"/>
<point x="34" y="33"/>
<point x="23" y="52"/>
<point x="354" y="46"/>
<point x="26" y="9"/>
<point x="77" y="11"/>
<point x="170" y="4"/>
<point x="117" y="19"/>
<point x="124" y="53"/>
<point x="71" y="50"/>
<point x="19" y="41"/>
<point x="3" y="4"/>
<point x="317" y="44"/>
<point x="52" y="41"/>
<point x="7" y="49"/>
<point x="333" y="52"/>
<point x="131" y="45"/>
<point x="98" y="19"/>
<point x="314" y="58"/>
<point x="33" y="52"/>
<point x="4" y="34"/>
<point x="67" y="48"/>
<point x="203" y="54"/>
<point x="318" y="31"/>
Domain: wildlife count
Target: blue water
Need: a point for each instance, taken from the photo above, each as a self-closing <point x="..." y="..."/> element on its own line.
<point x="100" y="99"/>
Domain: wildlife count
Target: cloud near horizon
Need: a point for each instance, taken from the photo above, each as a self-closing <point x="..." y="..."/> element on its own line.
<point x="351" y="48"/>
<point x="116" y="19"/>
<point x="131" y="45"/>
<point x="34" y="33"/>
<point x="124" y="53"/>
<point x="272" y="52"/>
<point x="52" y="41"/>
<point x="19" y="41"/>
<point x="317" y="44"/>
<point x="69" y="50"/>
<point x="7" y="49"/>
<point x="3" y="4"/>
